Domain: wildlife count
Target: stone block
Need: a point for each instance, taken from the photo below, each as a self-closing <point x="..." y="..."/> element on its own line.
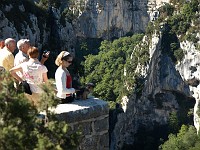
<point x="101" y="125"/>
<point x="104" y="142"/>
<point x="85" y="128"/>
<point x="89" y="143"/>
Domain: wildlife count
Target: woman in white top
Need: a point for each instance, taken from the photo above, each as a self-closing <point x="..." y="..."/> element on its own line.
<point x="33" y="72"/>
<point x="63" y="78"/>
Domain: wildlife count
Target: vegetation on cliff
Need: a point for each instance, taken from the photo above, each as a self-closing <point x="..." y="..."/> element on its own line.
<point x="106" y="69"/>
<point x="186" y="139"/>
<point x="178" y="21"/>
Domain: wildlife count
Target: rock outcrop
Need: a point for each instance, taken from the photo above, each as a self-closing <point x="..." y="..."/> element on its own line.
<point x="189" y="69"/>
<point x="96" y="19"/>
<point x="163" y="92"/>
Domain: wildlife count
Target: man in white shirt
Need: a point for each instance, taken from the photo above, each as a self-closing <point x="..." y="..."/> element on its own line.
<point x="23" y="45"/>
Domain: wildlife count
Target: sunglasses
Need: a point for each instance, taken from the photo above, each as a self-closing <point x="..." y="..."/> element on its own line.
<point x="69" y="62"/>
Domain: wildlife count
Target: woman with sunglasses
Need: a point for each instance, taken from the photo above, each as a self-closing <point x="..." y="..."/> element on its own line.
<point x="63" y="78"/>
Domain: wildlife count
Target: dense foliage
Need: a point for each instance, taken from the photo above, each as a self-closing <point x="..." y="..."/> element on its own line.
<point x="186" y="139"/>
<point x="21" y="125"/>
<point x="106" y="69"/>
<point x="177" y="22"/>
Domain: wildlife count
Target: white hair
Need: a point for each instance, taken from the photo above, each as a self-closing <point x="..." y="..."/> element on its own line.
<point x="22" y="42"/>
<point x="9" y="40"/>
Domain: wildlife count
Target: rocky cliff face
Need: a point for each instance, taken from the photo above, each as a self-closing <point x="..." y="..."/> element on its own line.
<point x="41" y="27"/>
<point x="189" y="70"/>
<point x="115" y="18"/>
<point x="167" y="86"/>
<point x="95" y="19"/>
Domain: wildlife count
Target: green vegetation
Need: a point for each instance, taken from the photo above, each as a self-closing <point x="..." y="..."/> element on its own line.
<point x="166" y="10"/>
<point x="45" y="3"/>
<point x="106" y="69"/>
<point x="177" y="21"/>
<point x="186" y="139"/>
<point x="22" y="128"/>
<point x="71" y="12"/>
<point x="173" y="122"/>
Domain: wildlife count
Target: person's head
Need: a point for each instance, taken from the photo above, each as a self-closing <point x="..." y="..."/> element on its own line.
<point x="10" y="44"/>
<point x="23" y="45"/>
<point x="90" y="86"/>
<point x="33" y="52"/>
<point x="64" y="59"/>
<point x="2" y="44"/>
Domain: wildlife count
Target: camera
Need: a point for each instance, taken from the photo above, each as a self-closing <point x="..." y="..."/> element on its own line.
<point x="45" y="53"/>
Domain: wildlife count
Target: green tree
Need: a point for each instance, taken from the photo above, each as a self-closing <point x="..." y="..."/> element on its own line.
<point x="107" y="68"/>
<point x="21" y="125"/>
<point x="166" y="10"/>
<point x="186" y="139"/>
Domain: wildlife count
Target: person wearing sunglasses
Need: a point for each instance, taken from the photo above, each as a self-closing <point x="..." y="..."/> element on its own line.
<point x="63" y="78"/>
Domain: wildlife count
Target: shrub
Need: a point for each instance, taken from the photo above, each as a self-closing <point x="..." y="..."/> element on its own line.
<point x="179" y="54"/>
<point x="20" y="126"/>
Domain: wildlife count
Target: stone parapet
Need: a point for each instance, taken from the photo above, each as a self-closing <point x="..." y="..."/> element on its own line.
<point x="91" y="117"/>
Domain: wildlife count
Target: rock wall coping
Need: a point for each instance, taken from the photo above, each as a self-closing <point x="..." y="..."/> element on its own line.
<point x="82" y="110"/>
<point x="91" y="116"/>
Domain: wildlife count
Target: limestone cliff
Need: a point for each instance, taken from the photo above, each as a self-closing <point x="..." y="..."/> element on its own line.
<point x="115" y="18"/>
<point x="23" y="19"/>
<point x="189" y="70"/>
<point x="166" y="84"/>
<point x="168" y="88"/>
<point x="163" y="92"/>
<point x="93" y="19"/>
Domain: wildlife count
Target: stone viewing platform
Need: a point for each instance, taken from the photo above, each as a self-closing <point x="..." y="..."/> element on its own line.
<point x="91" y="116"/>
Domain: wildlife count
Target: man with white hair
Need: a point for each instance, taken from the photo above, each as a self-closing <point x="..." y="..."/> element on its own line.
<point x="23" y="45"/>
<point x="6" y="56"/>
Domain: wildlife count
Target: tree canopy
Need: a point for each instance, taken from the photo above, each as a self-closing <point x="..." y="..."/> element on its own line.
<point x="106" y="69"/>
<point x="186" y="139"/>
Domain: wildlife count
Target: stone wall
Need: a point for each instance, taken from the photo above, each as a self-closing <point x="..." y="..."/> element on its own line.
<point x="92" y="117"/>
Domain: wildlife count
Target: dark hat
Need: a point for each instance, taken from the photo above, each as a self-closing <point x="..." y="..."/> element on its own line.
<point x="90" y="84"/>
<point x="26" y="87"/>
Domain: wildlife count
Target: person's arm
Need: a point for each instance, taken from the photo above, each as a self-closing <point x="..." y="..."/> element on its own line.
<point x="14" y="71"/>
<point x="44" y="57"/>
<point x="45" y="78"/>
<point x="61" y="84"/>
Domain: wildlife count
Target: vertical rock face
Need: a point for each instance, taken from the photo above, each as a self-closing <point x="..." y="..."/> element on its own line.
<point x="42" y="28"/>
<point x="164" y="88"/>
<point x="189" y="69"/>
<point x="96" y="19"/>
<point x="7" y="28"/>
<point x="113" y="18"/>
